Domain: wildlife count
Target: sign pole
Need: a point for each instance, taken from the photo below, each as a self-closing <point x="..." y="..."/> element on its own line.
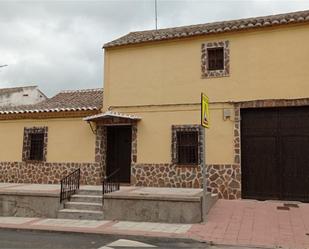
<point x="204" y="204"/>
<point x="204" y="124"/>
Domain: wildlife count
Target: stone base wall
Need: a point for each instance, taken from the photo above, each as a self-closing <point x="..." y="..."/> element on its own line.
<point x="166" y="175"/>
<point x="223" y="180"/>
<point x="48" y="173"/>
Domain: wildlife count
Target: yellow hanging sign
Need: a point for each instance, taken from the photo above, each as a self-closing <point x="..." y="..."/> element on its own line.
<point x="204" y="111"/>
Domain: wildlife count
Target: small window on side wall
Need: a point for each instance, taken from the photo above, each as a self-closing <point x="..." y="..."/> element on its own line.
<point x="215" y="59"/>
<point x="35" y="144"/>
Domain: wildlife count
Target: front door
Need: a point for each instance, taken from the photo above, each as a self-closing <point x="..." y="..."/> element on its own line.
<point x="118" y="154"/>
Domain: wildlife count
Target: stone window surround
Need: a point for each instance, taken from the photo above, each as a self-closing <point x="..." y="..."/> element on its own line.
<point x="201" y="138"/>
<point x="204" y="59"/>
<point x="27" y="142"/>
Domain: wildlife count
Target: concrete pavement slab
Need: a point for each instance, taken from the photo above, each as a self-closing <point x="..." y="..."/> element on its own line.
<point x="167" y="191"/>
<point x="15" y="220"/>
<point x="152" y="227"/>
<point x="71" y="223"/>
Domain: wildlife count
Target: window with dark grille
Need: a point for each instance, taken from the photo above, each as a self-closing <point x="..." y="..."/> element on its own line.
<point x="215" y="58"/>
<point x="36" y="146"/>
<point x="187" y="147"/>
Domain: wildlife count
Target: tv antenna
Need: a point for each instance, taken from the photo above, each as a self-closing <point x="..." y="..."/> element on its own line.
<point x="156" y="14"/>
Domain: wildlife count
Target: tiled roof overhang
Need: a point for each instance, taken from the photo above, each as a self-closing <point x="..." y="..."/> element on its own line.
<point x="90" y="108"/>
<point x="48" y="115"/>
<point x="65" y="103"/>
<point x="210" y="28"/>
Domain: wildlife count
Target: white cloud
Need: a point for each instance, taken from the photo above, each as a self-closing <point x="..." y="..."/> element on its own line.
<point x="57" y="44"/>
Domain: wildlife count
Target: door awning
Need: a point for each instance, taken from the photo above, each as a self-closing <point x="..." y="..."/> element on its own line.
<point x="110" y="117"/>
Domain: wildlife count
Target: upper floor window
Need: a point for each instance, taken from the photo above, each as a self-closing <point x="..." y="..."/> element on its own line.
<point x="35" y="144"/>
<point x="215" y="59"/>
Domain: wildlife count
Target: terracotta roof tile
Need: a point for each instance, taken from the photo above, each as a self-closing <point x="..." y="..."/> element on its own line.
<point x="210" y="28"/>
<point x="77" y="100"/>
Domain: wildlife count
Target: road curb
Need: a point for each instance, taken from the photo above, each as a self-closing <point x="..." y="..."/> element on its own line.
<point x="49" y="230"/>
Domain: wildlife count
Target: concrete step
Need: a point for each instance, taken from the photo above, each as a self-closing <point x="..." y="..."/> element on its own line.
<point x="86" y="198"/>
<point x="89" y="192"/>
<point x="80" y="214"/>
<point x="83" y="206"/>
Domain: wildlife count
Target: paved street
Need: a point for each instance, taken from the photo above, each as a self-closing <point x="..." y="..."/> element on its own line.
<point x="17" y="239"/>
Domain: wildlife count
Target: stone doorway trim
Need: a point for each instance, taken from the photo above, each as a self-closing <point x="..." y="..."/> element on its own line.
<point x="267" y="103"/>
<point x="101" y="144"/>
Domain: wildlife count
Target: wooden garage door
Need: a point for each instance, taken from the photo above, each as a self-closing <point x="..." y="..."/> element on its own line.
<point x="275" y="153"/>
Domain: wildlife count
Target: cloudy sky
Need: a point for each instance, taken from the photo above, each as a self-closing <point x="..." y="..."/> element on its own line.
<point x="58" y="44"/>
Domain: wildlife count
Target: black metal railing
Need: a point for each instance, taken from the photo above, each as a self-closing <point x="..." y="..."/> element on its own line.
<point x="110" y="184"/>
<point x="69" y="185"/>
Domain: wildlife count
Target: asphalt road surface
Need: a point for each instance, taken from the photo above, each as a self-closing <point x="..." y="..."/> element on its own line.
<point x="20" y="239"/>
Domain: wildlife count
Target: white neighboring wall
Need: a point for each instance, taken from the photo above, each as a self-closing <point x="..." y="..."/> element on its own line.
<point x="21" y="96"/>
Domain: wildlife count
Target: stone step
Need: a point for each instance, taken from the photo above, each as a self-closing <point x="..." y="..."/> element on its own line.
<point x="89" y="192"/>
<point x="83" y="206"/>
<point x="80" y="214"/>
<point x="86" y="198"/>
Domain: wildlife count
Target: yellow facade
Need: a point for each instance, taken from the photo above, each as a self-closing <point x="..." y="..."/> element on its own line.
<point x="161" y="82"/>
<point x="69" y="139"/>
<point x="154" y="132"/>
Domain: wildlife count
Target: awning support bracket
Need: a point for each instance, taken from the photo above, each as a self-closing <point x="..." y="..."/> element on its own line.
<point x="94" y="131"/>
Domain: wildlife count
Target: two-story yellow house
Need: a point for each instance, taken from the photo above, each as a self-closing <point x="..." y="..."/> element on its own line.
<point x="148" y="132"/>
<point x="255" y="73"/>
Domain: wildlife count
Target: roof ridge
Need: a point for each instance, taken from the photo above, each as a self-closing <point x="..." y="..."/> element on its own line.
<point x="79" y="100"/>
<point x="82" y="90"/>
<point x="18" y="87"/>
<point x="226" y="21"/>
<point x="135" y="37"/>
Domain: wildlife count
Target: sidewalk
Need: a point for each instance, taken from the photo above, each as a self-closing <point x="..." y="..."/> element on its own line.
<point x="98" y="226"/>
<point x="269" y="224"/>
<point x="238" y="222"/>
<point x="274" y="224"/>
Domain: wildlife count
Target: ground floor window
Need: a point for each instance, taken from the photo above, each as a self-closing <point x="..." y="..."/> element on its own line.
<point x="35" y="144"/>
<point x="187" y="147"/>
<point x="187" y="144"/>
